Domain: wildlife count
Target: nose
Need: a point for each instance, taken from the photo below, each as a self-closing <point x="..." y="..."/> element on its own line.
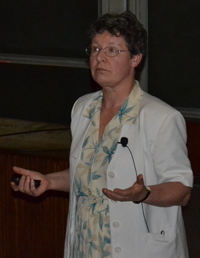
<point x="101" y="55"/>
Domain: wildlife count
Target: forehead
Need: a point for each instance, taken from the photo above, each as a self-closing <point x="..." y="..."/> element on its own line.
<point x="106" y="38"/>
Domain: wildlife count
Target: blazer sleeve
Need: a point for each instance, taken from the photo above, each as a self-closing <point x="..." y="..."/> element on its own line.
<point x="170" y="152"/>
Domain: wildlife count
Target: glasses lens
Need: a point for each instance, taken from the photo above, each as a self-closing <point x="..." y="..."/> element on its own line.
<point x="92" y="51"/>
<point x="88" y="51"/>
<point x="111" y="51"/>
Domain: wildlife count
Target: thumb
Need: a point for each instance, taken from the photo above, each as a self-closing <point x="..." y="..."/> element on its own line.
<point x="21" y="171"/>
<point x="140" y="180"/>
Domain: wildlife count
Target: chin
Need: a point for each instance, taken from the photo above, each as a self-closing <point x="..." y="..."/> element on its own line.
<point x="100" y="81"/>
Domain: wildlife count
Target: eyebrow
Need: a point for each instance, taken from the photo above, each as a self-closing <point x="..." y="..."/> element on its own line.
<point x="109" y="44"/>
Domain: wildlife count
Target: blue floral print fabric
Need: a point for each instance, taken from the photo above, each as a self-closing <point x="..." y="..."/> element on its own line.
<point x="92" y="235"/>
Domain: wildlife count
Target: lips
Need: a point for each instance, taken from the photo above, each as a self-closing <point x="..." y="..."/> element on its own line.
<point x="101" y="70"/>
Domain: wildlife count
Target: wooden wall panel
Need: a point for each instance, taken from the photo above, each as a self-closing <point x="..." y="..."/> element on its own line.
<point x="193" y="144"/>
<point x="192" y="222"/>
<point x="31" y="227"/>
<point x="35" y="227"/>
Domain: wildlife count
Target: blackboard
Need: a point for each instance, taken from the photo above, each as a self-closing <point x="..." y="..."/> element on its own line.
<point x="42" y="93"/>
<point x="174" y="52"/>
<point x="46" y="27"/>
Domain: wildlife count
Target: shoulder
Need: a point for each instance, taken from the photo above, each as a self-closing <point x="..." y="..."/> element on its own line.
<point x="151" y="102"/>
<point x="154" y="108"/>
<point x="80" y="107"/>
<point x="157" y="116"/>
<point x="83" y="102"/>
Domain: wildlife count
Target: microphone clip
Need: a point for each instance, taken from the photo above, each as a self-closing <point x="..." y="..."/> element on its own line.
<point x="124" y="141"/>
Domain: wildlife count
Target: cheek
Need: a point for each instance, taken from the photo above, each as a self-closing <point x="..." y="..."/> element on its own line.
<point x="92" y="65"/>
<point x="123" y="67"/>
<point x="92" y="62"/>
<point x="118" y="68"/>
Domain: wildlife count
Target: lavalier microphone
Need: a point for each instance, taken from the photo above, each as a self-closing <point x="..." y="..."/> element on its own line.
<point x="124" y="141"/>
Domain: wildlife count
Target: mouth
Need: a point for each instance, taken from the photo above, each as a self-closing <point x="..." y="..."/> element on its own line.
<point x="101" y="70"/>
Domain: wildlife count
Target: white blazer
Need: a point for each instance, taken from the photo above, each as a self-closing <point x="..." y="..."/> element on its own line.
<point x="158" y="144"/>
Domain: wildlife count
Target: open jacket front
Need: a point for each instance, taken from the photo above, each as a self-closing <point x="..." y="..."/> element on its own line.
<point x="157" y="141"/>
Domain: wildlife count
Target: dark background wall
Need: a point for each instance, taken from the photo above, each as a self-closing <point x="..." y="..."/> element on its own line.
<point x="41" y="93"/>
<point x="49" y="29"/>
<point x="58" y="29"/>
<point x="46" y="28"/>
<point x="174" y="39"/>
<point x="173" y="76"/>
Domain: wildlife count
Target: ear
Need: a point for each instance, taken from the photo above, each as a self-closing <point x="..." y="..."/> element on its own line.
<point x="136" y="60"/>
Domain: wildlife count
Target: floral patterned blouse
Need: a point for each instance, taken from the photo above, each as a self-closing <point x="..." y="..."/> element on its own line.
<point x="92" y="234"/>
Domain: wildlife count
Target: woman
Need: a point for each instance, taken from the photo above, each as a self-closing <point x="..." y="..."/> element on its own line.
<point x="125" y="198"/>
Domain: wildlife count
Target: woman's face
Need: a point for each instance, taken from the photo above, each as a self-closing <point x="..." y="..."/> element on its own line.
<point x="115" y="71"/>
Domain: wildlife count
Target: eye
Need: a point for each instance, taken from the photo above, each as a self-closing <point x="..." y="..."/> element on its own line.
<point x="112" y="50"/>
<point x="95" y="49"/>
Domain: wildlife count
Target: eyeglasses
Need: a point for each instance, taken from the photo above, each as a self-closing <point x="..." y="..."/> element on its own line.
<point x="109" y="51"/>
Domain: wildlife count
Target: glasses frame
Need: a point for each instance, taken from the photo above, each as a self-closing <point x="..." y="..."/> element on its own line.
<point x="104" y="49"/>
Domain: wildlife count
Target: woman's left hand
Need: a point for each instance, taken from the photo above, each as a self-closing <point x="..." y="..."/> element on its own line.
<point x="134" y="193"/>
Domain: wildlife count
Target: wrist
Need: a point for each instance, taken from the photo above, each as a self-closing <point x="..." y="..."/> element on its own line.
<point x="49" y="181"/>
<point x="147" y="193"/>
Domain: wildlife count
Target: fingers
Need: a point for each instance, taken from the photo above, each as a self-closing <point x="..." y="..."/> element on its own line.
<point x="14" y="187"/>
<point x="123" y="192"/>
<point x="24" y="185"/>
<point x="111" y="195"/>
<point x="27" y="184"/>
<point x="118" y="194"/>
<point x="132" y="193"/>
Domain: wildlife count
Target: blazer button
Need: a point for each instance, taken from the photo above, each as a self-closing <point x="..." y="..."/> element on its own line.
<point x="111" y="174"/>
<point x="116" y="224"/>
<point x="118" y="249"/>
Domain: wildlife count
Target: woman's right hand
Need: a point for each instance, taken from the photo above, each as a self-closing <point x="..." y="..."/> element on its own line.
<point x="26" y="183"/>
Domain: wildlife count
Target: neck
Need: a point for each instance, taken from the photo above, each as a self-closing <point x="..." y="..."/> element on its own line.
<point x="114" y="98"/>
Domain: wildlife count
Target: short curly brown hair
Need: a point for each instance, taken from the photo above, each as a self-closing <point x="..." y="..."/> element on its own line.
<point x="126" y="25"/>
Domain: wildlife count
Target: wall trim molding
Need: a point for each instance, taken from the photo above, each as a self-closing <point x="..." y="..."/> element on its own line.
<point x="44" y="60"/>
<point x="190" y="113"/>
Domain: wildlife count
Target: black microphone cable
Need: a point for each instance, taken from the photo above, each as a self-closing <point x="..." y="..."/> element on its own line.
<point x="124" y="142"/>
